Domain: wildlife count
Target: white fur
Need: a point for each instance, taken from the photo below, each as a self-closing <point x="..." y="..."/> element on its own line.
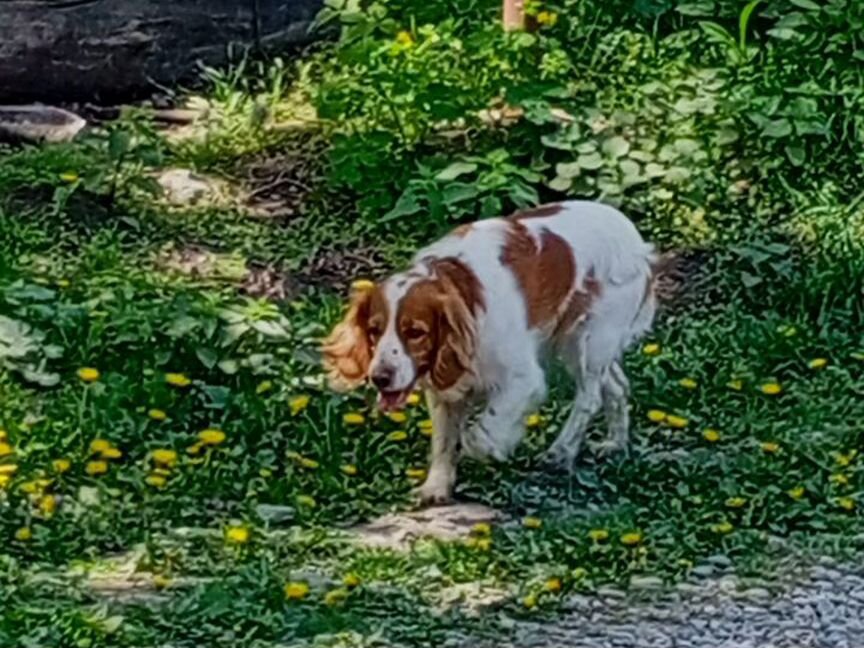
<point x="507" y="375"/>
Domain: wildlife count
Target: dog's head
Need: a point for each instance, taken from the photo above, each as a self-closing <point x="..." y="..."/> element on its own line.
<point x="416" y="326"/>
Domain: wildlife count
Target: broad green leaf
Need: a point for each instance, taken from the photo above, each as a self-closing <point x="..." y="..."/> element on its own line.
<point x="743" y="21"/>
<point x="408" y="204"/>
<point x="455" y="170"/>
<point x="590" y="161"/>
<point x="704" y="8"/>
<point x="616" y="147"/>
<point x="208" y="357"/>
<point x="777" y="128"/>
<point x="806" y="4"/>
<point x="560" y="183"/>
<point x="796" y="154"/>
<point x="457" y="192"/>
<point x="567" y="169"/>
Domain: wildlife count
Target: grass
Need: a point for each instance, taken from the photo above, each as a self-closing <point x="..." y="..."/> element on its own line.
<point x="745" y="407"/>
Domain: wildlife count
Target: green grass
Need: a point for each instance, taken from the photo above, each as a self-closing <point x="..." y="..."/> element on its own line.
<point x="83" y="284"/>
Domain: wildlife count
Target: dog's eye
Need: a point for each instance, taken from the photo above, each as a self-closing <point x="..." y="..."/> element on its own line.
<point x="414" y="333"/>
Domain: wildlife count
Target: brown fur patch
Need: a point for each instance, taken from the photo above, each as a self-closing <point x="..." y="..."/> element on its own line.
<point x="436" y="321"/>
<point x="541" y="211"/>
<point x="462" y="231"/>
<point x="545" y="272"/>
<point x="578" y="306"/>
<point x="347" y="351"/>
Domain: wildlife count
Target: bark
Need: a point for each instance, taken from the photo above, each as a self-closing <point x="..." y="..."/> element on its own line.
<point x="113" y="50"/>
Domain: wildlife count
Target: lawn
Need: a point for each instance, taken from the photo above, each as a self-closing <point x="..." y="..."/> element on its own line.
<point x="162" y="412"/>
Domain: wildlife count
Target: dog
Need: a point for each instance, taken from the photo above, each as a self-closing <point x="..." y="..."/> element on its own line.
<point x="472" y="318"/>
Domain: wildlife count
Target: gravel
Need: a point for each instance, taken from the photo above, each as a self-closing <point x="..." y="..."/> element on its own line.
<point x="822" y="609"/>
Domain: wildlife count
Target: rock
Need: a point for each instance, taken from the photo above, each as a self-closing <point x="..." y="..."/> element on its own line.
<point x="400" y="530"/>
<point x="645" y="582"/>
<point x="182" y="187"/>
<point x="37" y="123"/>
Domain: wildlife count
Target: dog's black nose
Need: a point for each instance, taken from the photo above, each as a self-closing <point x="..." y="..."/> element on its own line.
<point x="382" y="378"/>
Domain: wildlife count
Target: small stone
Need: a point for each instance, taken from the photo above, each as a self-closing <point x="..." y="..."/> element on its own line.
<point x="703" y="571"/>
<point x="757" y="593"/>
<point x="646" y="582"/>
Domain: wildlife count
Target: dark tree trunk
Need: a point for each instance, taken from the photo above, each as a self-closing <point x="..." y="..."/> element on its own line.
<point x="110" y="50"/>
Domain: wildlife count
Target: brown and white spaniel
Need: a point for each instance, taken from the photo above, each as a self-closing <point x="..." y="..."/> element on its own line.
<point x="474" y="315"/>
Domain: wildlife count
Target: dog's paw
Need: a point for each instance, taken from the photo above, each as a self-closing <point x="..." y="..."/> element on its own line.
<point x="434" y="493"/>
<point x="610" y="450"/>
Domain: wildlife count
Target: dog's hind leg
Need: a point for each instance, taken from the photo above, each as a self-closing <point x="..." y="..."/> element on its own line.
<point x="615" y="391"/>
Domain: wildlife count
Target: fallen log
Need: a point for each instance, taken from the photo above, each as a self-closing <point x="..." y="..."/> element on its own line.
<point x="60" y="51"/>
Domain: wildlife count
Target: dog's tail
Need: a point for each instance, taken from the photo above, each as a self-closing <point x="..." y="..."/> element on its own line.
<point x="672" y="274"/>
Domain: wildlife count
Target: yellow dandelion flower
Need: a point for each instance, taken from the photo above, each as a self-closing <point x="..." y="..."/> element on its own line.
<point x="846" y="503"/>
<point x="47" y="505"/>
<point x="771" y="388"/>
<point x="8" y="469"/>
<point x="24" y="534"/>
<point x="845" y="459"/>
<point x="711" y="435"/>
<point x="164" y="456"/>
<point x="354" y="418"/>
<point x="425" y="427"/>
<point x="4" y="480"/>
<point x="736" y="502"/>
<point x="98" y="446"/>
<point x="306" y="500"/>
<point x="631" y="539"/>
<point x="306" y="462"/>
<point x="656" y="416"/>
<point x="237" y="535"/>
<point x="416" y="473"/>
<point x="483" y="544"/>
<point x="155" y="480"/>
<point x="211" y="436"/>
<point x="111" y="453"/>
<point x="547" y="18"/>
<point x="688" y="383"/>
<point x="770" y="447"/>
<point x="161" y="582"/>
<point x="398" y="435"/>
<point x="63" y="283"/>
<point x="6" y="450"/>
<point x="69" y="176"/>
<point x="351" y="580"/>
<point x="796" y="493"/>
<point x="296" y="591"/>
<point x="530" y="601"/>
<point x="349" y="469"/>
<point x="532" y="522"/>
<point x="194" y="449"/>
<point x="818" y="363"/>
<point x="481" y="529"/>
<point x="298" y="404"/>
<point x="96" y="467"/>
<point x="177" y="379"/>
<point x="533" y="421"/>
<point x="413" y="399"/>
<point x="264" y="386"/>
<point x="735" y="385"/>
<point x="34" y="486"/>
<point x="839" y="478"/>
<point x="678" y="422"/>
<point x="405" y="39"/>
<point x="723" y="528"/>
<point x="88" y="374"/>
<point x="651" y="349"/>
<point x="598" y="535"/>
<point x="335" y="597"/>
<point x="157" y="414"/>
<point x="3" y="435"/>
<point x="362" y="285"/>
<point x="397" y="417"/>
<point x="553" y="585"/>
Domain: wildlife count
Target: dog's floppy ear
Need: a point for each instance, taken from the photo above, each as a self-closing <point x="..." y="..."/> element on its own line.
<point x="347" y="351"/>
<point x="460" y="297"/>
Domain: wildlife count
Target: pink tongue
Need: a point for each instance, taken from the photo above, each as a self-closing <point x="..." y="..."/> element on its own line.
<point x="390" y="400"/>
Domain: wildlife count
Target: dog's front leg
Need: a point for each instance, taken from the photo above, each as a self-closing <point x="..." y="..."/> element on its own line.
<point x="447" y="420"/>
<point x="501" y="424"/>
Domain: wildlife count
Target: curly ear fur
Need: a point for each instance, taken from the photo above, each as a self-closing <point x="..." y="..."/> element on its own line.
<point x="346" y="351"/>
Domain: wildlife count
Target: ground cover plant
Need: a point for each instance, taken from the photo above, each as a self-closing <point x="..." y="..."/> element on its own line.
<point x="162" y="413"/>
